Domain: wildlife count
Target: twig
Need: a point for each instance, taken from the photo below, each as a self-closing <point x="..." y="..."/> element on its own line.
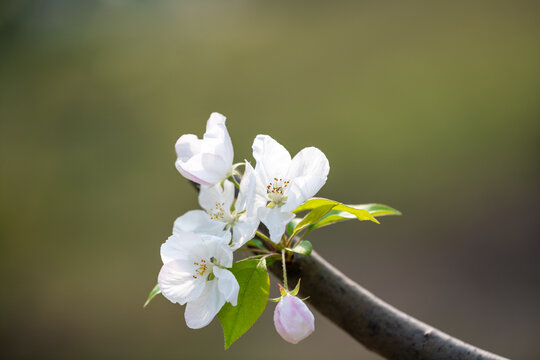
<point x="377" y="325"/>
<point x="284" y="270"/>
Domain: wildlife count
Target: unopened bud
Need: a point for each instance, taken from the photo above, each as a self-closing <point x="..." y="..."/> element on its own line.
<point x="293" y="320"/>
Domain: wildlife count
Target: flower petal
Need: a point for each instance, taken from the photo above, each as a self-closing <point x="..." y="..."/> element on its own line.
<point x="202" y="310"/>
<point x="293" y="320"/>
<point x="217" y="139"/>
<point x="227" y="284"/>
<point x="308" y="172"/>
<point x="197" y="221"/>
<point x="187" y="146"/>
<point x="248" y="198"/>
<point x="192" y="169"/>
<point x="209" y="196"/>
<point x="179" y="246"/>
<point x="223" y="253"/>
<point x="275" y="220"/>
<point x="205" y="168"/>
<point x="244" y="230"/>
<point x="216" y="167"/>
<point x="177" y="282"/>
<point x="206" y="161"/>
<point x="272" y="158"/>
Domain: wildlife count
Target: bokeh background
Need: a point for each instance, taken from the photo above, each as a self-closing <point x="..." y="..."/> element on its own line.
<point x="428" y="106"/>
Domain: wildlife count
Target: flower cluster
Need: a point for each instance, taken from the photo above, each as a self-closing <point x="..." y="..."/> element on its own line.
<point x="197" y="256"/>
<point x="252" y="210"/>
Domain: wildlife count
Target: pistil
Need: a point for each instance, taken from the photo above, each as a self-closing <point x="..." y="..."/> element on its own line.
<point x="276" y="192"/>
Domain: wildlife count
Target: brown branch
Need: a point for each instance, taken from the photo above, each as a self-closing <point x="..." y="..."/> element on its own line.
<point x="377" y="325"/>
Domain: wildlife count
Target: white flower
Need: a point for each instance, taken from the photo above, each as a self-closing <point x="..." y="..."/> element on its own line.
<point x="293" y="320"/>
<point x="221" y="213"/>
<point x="209" y="160"/>
<point x="284" y="184"/>
<point x="198" y="221"/>
<point x="194" y="273"/>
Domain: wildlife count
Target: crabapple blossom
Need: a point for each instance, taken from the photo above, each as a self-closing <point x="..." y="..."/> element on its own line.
<point x="222" y="213"/>
<point x="197" y="258"/>
<point x="209" y="160"/>
<point x="194" y="273"/>
<point x="284" y="183"/>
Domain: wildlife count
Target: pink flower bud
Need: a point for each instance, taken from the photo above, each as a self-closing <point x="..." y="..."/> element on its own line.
<point x="293" y="320"/>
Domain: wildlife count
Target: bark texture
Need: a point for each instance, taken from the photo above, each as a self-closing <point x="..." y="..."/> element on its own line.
<point x="377" y="325"/>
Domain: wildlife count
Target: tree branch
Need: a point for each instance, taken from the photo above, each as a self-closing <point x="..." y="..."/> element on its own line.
<point x="372" y="322"/>
<point x="377" y="325"/>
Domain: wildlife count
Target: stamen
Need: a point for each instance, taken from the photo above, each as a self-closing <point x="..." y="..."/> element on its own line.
<point x="276" y="191"/>
<point x="202" y="267"/>
<point x="221" y="213"/>
<point x="218" y="213"/>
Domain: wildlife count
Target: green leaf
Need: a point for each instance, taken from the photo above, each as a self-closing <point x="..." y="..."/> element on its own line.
<point x="304" y="248"/>
<point x="291" y="225"/>
<point x="336" y="215"/>
<point x="257" y="243"/>
<point x="254" y="282"/>
<point x="326" y="206"/>
<point x="318" y="203"/>
<point x="360" y="214"/>
<point x="314" y="203"/>
<point x="156" y="290"/>
<point x="377" y="209"/>
<point x="270" y="260"/>
<point x="313" y="216"/>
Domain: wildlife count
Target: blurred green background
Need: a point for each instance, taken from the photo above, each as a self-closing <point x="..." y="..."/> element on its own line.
<point x="428" y="106"/>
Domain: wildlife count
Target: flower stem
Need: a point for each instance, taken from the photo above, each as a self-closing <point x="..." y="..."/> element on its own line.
<point x="259" y="251"/>
<point x="237" y="165"/>
<point x="300" y="239"/>
<point x="234" y="181"/>
<point x="260" y="235"/>
<point x="284" y="269"/>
